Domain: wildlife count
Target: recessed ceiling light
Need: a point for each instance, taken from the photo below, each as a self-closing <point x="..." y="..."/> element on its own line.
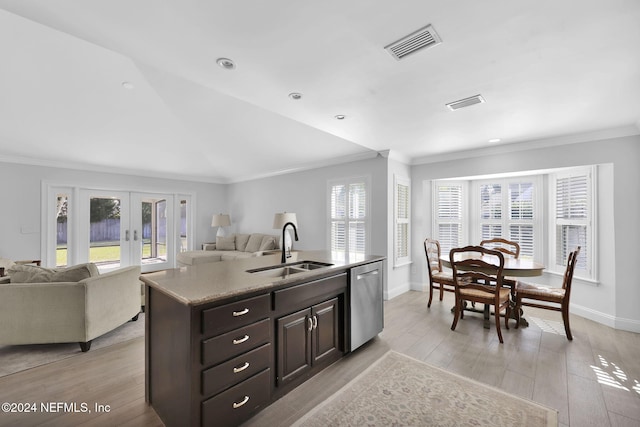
<point x="226" y="63"/>
<point x="295" y="96"/>
<point x="127" y="85"/>
<point x="340" y="117"/>
<point x="495" y="140"/>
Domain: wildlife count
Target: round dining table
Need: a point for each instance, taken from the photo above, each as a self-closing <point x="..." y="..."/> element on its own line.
<point x="513" y="267"/>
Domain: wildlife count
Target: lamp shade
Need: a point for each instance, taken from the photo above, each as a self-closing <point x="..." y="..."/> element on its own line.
<point x="280" y="219"/>
<point x="221" y="220"/>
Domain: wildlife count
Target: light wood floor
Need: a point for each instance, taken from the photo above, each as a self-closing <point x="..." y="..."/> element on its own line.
<point x="592" y="381"/>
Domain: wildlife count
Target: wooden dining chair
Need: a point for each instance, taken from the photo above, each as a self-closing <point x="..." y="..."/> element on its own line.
<point x="477" y="274"/>
<point x="505" y="246"/>
<point x="438" y="279"/>
<point x="508" y="248"/>
<point x="556" y="299"/>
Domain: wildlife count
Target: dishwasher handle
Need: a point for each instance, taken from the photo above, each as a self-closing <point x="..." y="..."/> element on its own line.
<point x="368" y="273"/>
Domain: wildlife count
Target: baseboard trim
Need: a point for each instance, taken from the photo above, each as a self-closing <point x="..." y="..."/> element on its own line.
<point x="391" y="293"/>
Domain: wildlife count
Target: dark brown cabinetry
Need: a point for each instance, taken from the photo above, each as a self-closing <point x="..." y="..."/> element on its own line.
<point x="306" y="338"/>
<point x="219" y="363"/>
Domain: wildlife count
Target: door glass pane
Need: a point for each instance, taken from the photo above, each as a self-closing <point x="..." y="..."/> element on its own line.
<point x="62" y="207"/>
<point x="104" y="231"/>
<point x="154" y="231"/>
<point x="184" y="240"/>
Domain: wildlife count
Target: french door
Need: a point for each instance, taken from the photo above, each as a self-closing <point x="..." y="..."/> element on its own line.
<point x="117" y="229"/>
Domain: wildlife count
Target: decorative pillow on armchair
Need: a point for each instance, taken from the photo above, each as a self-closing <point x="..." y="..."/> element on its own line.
<point x="226" y="243"/>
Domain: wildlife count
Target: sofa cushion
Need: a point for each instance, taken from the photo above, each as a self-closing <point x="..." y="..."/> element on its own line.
<point x="35" y="274"/>
<point x="268" y="243"/>
<point x="226" y="243"/>
<point x="197" y="257"/>
<point x="241" y="242"/>
<point x="255" y="240"/>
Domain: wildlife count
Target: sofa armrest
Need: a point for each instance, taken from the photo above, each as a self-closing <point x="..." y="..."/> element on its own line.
<point x="209" y="246"/>
<point x="112" y="299"/>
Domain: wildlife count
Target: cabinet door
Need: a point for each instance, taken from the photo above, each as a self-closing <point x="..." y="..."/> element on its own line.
<point x="326" y="330"/>
<point x="294" y="345"/>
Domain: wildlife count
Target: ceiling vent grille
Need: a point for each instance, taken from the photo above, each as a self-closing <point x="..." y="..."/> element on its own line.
<point x="421" y="39"/>
<point x="467" y="102"/>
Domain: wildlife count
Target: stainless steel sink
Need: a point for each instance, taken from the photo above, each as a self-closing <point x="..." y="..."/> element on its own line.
<point x="278" y="271"/>
<point x="286" y="271"/>
<point x="310" y="265"/>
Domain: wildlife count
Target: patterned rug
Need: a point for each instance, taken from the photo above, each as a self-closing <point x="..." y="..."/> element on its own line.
<point x="16" y="358"/>
<point x="400" y="391"/>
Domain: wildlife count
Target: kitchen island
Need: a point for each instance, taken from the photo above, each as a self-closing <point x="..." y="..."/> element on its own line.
<point x="225" y="339"/>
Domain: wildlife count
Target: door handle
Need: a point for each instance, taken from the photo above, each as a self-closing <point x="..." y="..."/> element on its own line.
<point x="126" y="236"/>
<point x="135" y="235"/>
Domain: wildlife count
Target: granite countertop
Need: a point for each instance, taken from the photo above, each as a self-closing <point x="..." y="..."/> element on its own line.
<point x="209" y="282"/>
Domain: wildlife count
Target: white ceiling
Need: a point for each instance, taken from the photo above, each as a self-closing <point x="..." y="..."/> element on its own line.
<point x="547" y="69"/>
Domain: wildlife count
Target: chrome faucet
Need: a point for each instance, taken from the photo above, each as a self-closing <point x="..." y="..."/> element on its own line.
<point x="295" y="231"/>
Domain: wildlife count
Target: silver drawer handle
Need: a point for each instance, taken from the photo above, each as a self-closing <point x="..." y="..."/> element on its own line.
<point x="310" y="320"/>
<point x="315" y="322"/>
<point x="241" y="368"/>
<point x="239" y="404"/>
<point x="240" y="313"/>
<point x="241" y="340"/>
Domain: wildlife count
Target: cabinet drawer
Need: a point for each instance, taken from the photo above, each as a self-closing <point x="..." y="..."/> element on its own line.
<point x="234" y="343"/>
<point x="238" y="369"/>
<point x="231" y="316"/>
<point x="300" y="295"/>
<point x="239" y="403"/>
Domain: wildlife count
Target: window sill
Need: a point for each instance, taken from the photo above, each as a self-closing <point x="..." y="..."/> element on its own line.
<point x="585" y="280"/>
<point x="398" y="264"/>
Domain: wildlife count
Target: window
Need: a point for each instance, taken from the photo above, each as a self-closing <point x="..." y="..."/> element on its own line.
<point x="349" y="218"/>
<point x="572" y="211"/>
<point x="402" y="213"/>
<point x="507" y="209"/>
<point x="448" y="218"/>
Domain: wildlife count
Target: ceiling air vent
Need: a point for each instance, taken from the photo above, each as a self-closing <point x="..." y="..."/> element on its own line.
<point x="421" y="39"/>
<point x="467" y="102"/>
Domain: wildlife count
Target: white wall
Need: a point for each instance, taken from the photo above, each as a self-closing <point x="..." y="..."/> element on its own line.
<point x="252" y="204"/>
<point x="20" y="212"/>
<point x="614" y="301"/>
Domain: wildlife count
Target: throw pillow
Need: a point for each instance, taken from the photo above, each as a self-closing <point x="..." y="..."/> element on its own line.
<point x="253" y="245"/>
<point x="34" y="274"/>
<point x="241" y="242"/>
<point x="29" y="274"/>
<point x="75" y="273"/>
<point x="226" y="243"/>
<point x="268" y="243"/>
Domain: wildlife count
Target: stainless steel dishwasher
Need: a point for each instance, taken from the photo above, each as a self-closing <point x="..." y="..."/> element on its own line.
<point x="365" y="296"/>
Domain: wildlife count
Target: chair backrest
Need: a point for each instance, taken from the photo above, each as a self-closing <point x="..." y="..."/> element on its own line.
<point x="432" y="252"/>
<point x="568" y="272"/>
<point x="503" y="245"/>
<point x="477" y="267"/>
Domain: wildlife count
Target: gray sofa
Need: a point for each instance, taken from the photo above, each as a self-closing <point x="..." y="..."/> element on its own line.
<point x="229" y="248"/>
<point x="45" y="310"/>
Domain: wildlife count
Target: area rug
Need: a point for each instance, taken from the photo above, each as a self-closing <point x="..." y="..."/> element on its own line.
<point x="400" y="391"/>
<point x="16" y="358"/>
